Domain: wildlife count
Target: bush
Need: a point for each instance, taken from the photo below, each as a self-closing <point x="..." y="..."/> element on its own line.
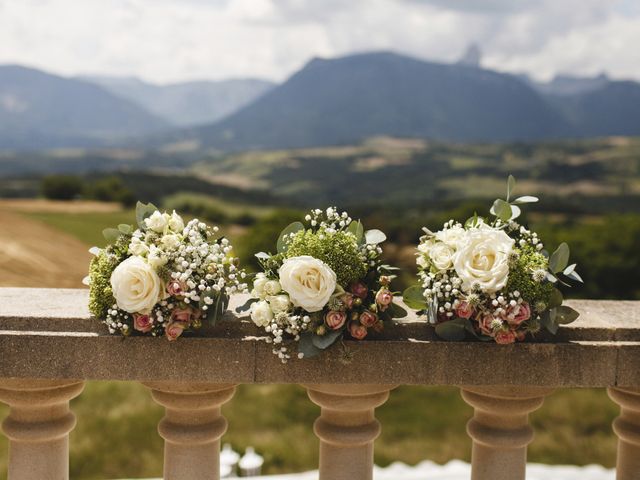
<point x="111" y="189"/>
<point x="62" y="187"/>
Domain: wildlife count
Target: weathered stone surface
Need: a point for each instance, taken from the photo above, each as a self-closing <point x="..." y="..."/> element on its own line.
<point x="48" y="333"/>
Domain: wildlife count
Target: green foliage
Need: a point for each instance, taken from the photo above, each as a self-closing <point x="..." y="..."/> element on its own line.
<point x="337" y="250"/>
<point x="520" y="278"/>
<point x="100" y="293"/>
<point x="62" y="187"/>
<point x="110" y="189"/>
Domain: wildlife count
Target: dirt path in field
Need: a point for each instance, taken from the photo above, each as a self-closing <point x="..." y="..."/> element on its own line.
<point x="33" y="254"/>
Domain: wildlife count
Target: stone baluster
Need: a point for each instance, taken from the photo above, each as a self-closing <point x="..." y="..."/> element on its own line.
<point x="347" y="428"/>
<point x="192" y="427"/>
<point x="500" y="429"/>
<point x="627" y="428"/>
<point x="38" y="427"/>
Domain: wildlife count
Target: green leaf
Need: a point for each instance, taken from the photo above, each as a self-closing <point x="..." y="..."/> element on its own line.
<point x="111" y="235"/>
<point x="325" y="341"/>
<point x="414" y="298"/>
<point x="306" y="346"/>
<point x="374" y="237"/>
<point x="144" y="211"/>
<point x="396" y="311"/>
<point x="548" y="321"/>
<point x="502" y="210"/>
<point x="291" y="228"/>
<point x="560" y="258"/>
<point x="575" y="277"/>
<point x="262" y="256"/>
<point x="556" y="298"/>
<point x="216" y="310"/>
<point x="452" y="330"/>
<point x="525" y="199"/>
<point x="511" y="186"/>
<point x="565" y="315"/>
<point x="358" y="231"/>
<point x="124" y="228"/>
<point x="551" y="277"/>
<point x="569" y="269"/>
<point x="246" y="306"/>
<point x="473" y="221"/>
<point x="515" y="212"/>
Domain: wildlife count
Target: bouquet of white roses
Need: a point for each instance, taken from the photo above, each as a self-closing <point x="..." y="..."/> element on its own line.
<point x="163" y="278"/>
<point x="326" y="281"/>
<point x="491" y="278"/>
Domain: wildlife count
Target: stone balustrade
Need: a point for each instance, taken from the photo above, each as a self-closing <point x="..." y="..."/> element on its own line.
<point x="49" y="346"/>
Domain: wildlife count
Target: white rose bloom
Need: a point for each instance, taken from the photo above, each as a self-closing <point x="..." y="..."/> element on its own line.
<point x="484" y="259"/>
<point x="258" y="285"/>
<point x="136" y="286"/>
<point x="176" y="223"/>
<point x="157" y="258"/>
<point x="454" y="236"/>
<point x="279" y="303"/>
<point x="156" y="222"/>
<point x="170" y="241"/>
<point x="138" y="247"/>
<point x="261" y="314"/>
<point x="272" y="287"/>
<point x="422" y="261"/>
<point x="441" y="255"/>
<point x="308" y="281"/>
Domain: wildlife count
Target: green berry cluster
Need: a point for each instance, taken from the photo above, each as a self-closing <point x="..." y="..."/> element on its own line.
<point x="521" y="274"/>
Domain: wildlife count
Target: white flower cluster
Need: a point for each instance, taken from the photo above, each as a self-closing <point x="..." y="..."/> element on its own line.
<point x="329" y="219"/>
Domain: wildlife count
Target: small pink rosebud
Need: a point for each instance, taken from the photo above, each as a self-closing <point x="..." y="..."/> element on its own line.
<point x="176" y="288"/>
<point x="464" y="310"/>
<point x="142" y="322"/>
<point x="182" y="315"/>
<point x="357" y="330"/>
<point x="504" y="337"/>
<point x="368" y="318"/>
<point x="519" y="314"/>
<point x="383" y="299"/>
<point x="174" y="329"/>
<point x="347" y="300"/>
<point x="359" y="289"/>
<point x="485" y="322"/>
<point x="335" y="319"/>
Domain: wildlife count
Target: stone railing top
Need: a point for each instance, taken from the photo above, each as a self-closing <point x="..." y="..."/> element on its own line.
<point x="48" y="333"/>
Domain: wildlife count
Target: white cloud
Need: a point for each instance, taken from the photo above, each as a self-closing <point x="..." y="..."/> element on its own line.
<point x="170" y="40"/>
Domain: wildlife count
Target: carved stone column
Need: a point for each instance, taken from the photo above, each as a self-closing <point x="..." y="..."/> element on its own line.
<point x="627" y="428"/>
<point x="38" y="427"/>
<point x="500" y="429"/>
<point x="347" y="428"/>
<point x="192" y="427"/>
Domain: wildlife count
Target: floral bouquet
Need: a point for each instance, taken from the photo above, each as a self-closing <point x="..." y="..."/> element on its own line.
<point x="327" y="281"/>
<point x="491" y="278"/>
<point x="164" y="278"/>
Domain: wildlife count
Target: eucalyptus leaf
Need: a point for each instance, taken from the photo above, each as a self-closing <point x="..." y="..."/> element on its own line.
<point x="452" y="330"/>
<point x="306" y="346"/>
<point x="325" y="341"/>
<point x="414" y="298"/>
<point x="515" y="212"/>
<point x="560" y="258"/>
<point x="525" y="199"/>
<point x="569" y="269"/>
<point x="473" y="221"/>
<point x="215" y="311"/>
<point x="246" y="306"/>
<point x="575" y="277"/>
<point x="124" y="228"/>
<point x="144" y="211"/>
<point x="548" y="321"/>
<point x="358" y="231"/>
<point x="291" y="228"/>
<point x="262" y="256"/>
<point x="565" y="315"/>
<point x="396" y="311"/>
<point x="556" y="298"/>
<point x="111" y="235"/>
<point x="501" y="209"/>
<point x="374" y="237"/>
<point x="551" y="277"/>
<point x="511" y="186"/>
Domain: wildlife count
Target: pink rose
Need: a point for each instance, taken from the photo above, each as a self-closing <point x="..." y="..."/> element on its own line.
<point x="174" y="329"/>
<point x="368" y="319"/>
<point x="384" y="299"/>
<point x="357" y="330"/>
<point x="359" y="289"/>
<point x="347" y="300"/>
<point x="176" y="288"/>
<point x="505" y="337"/>
<point x="519" y="314"/>
<point x="335" y="319"/>
<point x="464" y="310"/>
<point x="182" y="315"/>
<point x="142" y="322"/>
<point x="485" y="322"/>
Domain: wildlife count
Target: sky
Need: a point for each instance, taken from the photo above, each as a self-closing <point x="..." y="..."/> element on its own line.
<point x="165" y="41"/>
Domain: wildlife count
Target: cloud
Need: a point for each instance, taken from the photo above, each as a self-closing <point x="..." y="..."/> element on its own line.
<point x="171" y="40"/>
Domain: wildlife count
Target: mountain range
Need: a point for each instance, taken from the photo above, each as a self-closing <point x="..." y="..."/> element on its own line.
<point x="328" y="102"/>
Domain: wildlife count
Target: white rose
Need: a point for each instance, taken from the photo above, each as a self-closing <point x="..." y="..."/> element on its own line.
<point x="170" y="241"/>
<point x="279" y="303"/>
<point x="308" y="281"/>
<point x="138" y="247"/>
<point x="272" y="287"/>
<point x="261" y="314"/>
<point x="156" y="222"/>
<point x="441" y="255"/>
<point x="483" y="259"/>
<point x="136" y="286"/>
<point x="156" y="258"/>
<point x="454" y="236"/>
<point x="176" y="223"/>
<point x="258" y="285"/>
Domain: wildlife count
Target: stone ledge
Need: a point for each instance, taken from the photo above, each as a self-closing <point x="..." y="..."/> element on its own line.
<point x="48" y="333"/>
